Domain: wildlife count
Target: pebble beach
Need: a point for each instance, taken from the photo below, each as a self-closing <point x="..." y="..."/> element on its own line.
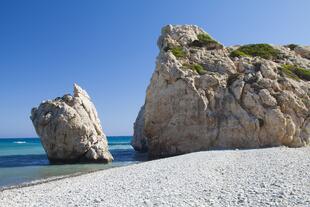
<point x="258" y="177"/>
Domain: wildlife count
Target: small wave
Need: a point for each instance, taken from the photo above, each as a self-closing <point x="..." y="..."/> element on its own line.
<point x="20" y="142"/>
<point x="119" y="143"/>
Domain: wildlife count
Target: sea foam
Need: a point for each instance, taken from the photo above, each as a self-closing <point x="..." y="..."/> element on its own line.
<point x="20" y="142"/>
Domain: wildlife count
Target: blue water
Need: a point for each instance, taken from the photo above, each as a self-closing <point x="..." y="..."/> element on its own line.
<point x="23" y="160"/>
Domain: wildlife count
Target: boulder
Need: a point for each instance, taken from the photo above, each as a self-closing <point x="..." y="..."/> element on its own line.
<point x="203" y="98"/>
<point x="70" y="129"/>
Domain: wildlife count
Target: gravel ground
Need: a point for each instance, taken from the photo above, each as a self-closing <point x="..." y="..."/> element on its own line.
<point x="261" y="177"/>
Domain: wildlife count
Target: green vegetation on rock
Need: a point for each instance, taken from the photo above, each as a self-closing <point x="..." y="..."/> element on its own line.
<point x="303" y="73"/>
<point x="287" y="70"/>
<point x="195" y="67"/>
<point x="205" y="40"/>
<point x="296" y="72"/>
<point x="238" y="53"/>
<point x="178" y="52"/>
<point x="256" y="50"/>
<point x="292" y="46"/>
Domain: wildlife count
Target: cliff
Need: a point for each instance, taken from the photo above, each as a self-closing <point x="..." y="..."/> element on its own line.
<point x="205" y="96"/>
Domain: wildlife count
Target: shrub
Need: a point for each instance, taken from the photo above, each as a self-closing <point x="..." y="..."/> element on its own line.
<point x="178" y="52"/>
<point x="296" y="72"/>
<point x="292" y="46"/>
<point x="303" y="73"/>
<point x="256" y="50"/>
<point x="195" y="67"/>
<point x="205" y="40"/>
<point x="288" y="71"/>
<point x="199" y="69"/>
<point x="238" y="53"/>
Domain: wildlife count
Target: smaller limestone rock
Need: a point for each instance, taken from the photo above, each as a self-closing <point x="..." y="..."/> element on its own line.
<point x="70" y="129"/>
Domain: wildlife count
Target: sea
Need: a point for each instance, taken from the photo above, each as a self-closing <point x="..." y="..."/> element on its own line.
<point x="23" y="161"/>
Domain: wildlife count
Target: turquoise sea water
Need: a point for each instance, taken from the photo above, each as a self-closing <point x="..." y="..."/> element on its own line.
<point x="23" y="160"/>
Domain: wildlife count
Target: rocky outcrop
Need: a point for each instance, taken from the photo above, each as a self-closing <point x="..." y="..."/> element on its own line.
<point x="204" y="96"/>
<point x="70" y="129"/>
<point x="303" y="51"/>
<point x="139" y="143"/>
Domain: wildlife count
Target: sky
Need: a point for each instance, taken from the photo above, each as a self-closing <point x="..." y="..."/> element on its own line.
<point x="109" y="48"/>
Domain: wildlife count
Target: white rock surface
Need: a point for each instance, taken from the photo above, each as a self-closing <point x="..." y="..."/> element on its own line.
<point x="256" y="178"/>
<point x="245" y="102"/>
<point x="70" y="129"/>
<point x="140" y="143"/>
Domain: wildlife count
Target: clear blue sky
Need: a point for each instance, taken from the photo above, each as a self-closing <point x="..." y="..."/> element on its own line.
<point x="109" y="48"/>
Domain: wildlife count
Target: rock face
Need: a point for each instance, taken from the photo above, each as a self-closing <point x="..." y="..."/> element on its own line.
<point x="201" y="98"/>
<point x="70" y="129"/>
<point x="140" y="141"/>
<point x="303" y="51"/>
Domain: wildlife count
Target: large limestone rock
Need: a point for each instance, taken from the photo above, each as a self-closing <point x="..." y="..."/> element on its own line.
<point x="70" y="129"/>
<point x="201" y="98"/>
<point x="140" y="141"/>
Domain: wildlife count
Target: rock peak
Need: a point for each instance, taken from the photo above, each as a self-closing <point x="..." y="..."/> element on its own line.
<point x="183" y="36"/>
<point x="78" y="91"/>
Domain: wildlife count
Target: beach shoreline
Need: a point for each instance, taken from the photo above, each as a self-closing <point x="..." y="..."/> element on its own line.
<point x="50" y="179"/>
<point x="256" y="177"/>
<point x="23" y="161"/>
